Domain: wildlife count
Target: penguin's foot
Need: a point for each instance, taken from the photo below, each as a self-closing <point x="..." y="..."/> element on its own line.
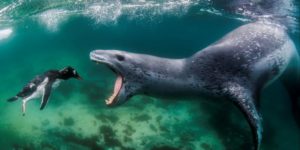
<point x="23" y="108"/>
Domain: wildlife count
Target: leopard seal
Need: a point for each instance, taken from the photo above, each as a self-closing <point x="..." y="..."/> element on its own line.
<point x="236" y="68"/>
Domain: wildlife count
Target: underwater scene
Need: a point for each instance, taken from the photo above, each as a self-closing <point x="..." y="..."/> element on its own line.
<point x="41" y="35"/>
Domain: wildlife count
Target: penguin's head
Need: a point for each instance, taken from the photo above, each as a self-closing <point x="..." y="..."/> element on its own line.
<point x="69" y="72"/>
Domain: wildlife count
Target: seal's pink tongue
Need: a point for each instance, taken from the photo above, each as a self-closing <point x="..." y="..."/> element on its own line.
<point x="118" y="85"/>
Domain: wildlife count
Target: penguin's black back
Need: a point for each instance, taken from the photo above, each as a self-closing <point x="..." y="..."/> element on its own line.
<point x="31" y="87"/>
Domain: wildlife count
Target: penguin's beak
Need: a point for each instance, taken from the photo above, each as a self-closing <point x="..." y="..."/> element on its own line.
<point x="79" y="78"/>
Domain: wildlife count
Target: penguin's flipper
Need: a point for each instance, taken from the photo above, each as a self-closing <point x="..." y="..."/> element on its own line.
<point x="243" y="99"/>
<point x="46" y="95"/>
<point x="13" y="99"/>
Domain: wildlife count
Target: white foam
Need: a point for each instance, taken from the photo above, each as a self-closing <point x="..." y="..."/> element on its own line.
<point x="6" y="11"/>
<point x="5" y="33"/>
<point x="53" y="14"/>
<point x="109" y="12"/>
<point x="104" y="12"/>
<point x="53" y="18"/>
<point x="211" y="11"/>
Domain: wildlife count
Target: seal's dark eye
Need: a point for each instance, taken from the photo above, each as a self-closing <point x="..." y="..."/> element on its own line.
<point x="120" y="57"/>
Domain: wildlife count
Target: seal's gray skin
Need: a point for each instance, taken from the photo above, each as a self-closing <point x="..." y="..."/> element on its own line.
<point x="235" y="68"/>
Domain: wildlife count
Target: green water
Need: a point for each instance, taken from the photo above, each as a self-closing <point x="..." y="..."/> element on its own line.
<point x="76" y="116"/>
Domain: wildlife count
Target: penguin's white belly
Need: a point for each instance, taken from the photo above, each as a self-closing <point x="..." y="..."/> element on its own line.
<point x="39" y="91"/>
<point x="56" y="83"/>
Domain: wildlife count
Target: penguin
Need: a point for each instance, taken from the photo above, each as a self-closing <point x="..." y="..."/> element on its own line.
<point x="42" y="85"/>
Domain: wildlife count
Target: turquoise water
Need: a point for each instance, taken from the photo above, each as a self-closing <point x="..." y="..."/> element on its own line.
<point x="43" y="35"/>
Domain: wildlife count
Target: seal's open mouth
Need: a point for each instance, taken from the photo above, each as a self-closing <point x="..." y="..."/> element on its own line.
<point x="118" y="83"/>
<point x="117" y="87"/>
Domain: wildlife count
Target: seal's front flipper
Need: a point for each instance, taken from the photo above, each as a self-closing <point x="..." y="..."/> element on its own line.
<point x="46" y="95"/>
<point x="291" y="81"/>
<point x="243" y="99"/>
<point x="293" y="89"/>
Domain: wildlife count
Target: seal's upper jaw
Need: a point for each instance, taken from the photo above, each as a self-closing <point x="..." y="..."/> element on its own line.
<point x="98" y="57"/>
<point x="107" y="57"/>
<point x="104" y="57"/>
